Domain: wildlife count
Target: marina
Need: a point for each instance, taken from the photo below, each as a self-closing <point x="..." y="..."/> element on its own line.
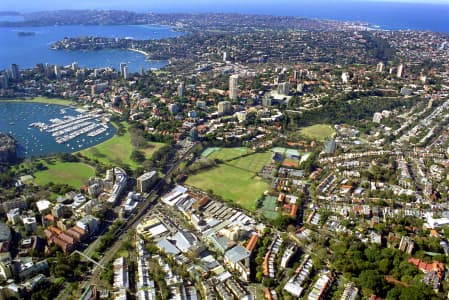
<point x="43" y="129"/>
<point x="69" y="127"/>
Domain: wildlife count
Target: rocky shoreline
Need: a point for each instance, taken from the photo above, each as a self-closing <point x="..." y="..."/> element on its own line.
<point x="7" y="148"/>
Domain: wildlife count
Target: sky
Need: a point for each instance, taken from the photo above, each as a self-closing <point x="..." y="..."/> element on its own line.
<point x="167" y="5"/>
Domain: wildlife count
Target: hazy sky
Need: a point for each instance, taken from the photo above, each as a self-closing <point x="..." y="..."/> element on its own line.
<point x="167" y="5"/>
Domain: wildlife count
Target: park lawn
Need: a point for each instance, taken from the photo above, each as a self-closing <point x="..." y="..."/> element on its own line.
<point x="320" y="132"/>
<point x="117" y="151"/>
<point x="160" y="72"/>
<point x="44" y="100"/>
<point x="73" y="174"/>
<point x="228" y="153"/>
<point x="235" y="181"/>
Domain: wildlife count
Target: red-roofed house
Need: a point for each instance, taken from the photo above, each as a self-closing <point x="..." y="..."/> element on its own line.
<point x="252" y="243"/>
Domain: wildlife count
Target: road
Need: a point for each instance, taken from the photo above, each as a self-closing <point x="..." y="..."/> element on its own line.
<point x="131" y="223"/>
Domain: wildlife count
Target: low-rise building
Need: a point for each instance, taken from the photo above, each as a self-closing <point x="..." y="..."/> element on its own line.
<point x="321" y="287"/>
<point x="121" y="278"/>
<point x="237" y="258"/>
<point x="30" y="224"/>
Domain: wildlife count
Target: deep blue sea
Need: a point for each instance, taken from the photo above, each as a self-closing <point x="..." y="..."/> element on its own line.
<point x="387" y="14"/>
<point x="32" y="142"/>
<point x="27" y="51"/>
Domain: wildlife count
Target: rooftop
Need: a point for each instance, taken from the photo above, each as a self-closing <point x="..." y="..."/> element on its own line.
<point x="147" y="175"/>
<point x="237" y="254"/>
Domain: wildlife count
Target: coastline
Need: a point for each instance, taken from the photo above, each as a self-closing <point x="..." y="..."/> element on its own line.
<point x="139" y="51"/>
<point x="147" y="58"/>
<point x="44" y="100"/>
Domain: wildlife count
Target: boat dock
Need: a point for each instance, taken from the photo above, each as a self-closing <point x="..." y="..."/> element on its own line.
<point x="70" y="127"/>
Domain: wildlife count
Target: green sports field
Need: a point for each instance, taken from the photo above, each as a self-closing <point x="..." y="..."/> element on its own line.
<point x="320" y="132"/>
<point x="236" y="180"/>
<point x="73" y="174"/>
<point x="269" y="208"/>
<point x="252" y="163"/>
<point x="227" y="153"/>
<point x="117" y="151"/>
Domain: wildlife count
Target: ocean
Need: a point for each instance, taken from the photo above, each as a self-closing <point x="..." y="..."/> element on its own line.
<point x="386" y="14"/>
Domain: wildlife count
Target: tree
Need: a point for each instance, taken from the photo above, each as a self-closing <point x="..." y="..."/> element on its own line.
<point x="282" y="222"/>
<point x="137" y="156"/>
<point x="410" y="293"/>
<point x="67" y="157"/>
<point x="372" y="282"/>
<point x="268" y="282"/>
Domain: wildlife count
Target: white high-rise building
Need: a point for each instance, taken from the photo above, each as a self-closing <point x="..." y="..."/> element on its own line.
<point x="125" y="72"/>
<point x="181" y="90"/>
<point x="400" y="71"/>
<point x="122" y="69"/>
<point x="233" y="87"/>
<point x="345" y="77"/>
<point x="380" y="67"/>
<point x="57" y="72"/>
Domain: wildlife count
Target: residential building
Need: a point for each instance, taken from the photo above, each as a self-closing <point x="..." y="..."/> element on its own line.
<point x="173" y="108"/>
<point x="13" y="216"/>
<point x="30" y="224"/>
<point x="266" y="101"/>
<point x="321" y="287"/>
<point x="350" y="292"/>
<point x="284" y="88"/>
<point x="224" y="107"/>
<point x="380" y="67"/>
<point x="125" y="74"/>
<point x="406" y="245"/>
<point x="3" y="81"/>
<point x="89" y="224"/>
<point x="121" y="278"/>
<point x="233" y="87"/>
<point x="99" y="88"/>
<point x="400" y="71"/>
<point x="15" y="74"/>
<point x="146" y="181"/>
<point x="181" y="90"/>
<point x="295" y="285"/>
<point x="121" y="179"/>
<point x="345" y="77"/>
<point x="377" y="118"/>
